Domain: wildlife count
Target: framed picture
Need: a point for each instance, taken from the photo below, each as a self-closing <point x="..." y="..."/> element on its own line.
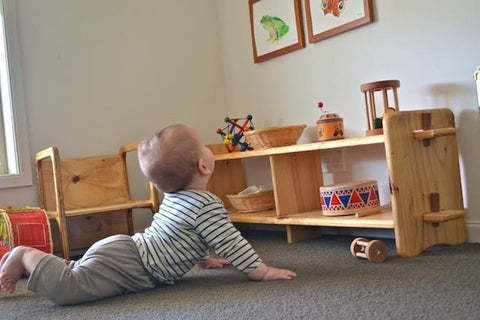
<point x="276" y="26"/>
<point x="327" y="18"/>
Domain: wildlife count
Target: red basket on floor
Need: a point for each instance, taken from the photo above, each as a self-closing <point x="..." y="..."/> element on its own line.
<point x="25" y="227"/>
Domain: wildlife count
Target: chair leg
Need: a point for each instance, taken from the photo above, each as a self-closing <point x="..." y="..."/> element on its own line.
<point x="62" y="228"/>
<point x="130" y="221"/>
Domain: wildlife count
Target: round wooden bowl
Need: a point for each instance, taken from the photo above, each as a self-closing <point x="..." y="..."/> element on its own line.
<point x="252" y="202"/>
<point x="274" y="136"/>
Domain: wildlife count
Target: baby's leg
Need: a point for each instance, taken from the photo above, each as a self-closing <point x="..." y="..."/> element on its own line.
<point x="14" y="264"/>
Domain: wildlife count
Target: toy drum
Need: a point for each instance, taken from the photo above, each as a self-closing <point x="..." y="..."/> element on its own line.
<point x="25" y="227"/>
<point x="329" y="127"/>
<point x="349" y="198"/>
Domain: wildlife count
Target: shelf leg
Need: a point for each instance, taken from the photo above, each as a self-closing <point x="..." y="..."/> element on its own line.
<point x="302" y="233"/>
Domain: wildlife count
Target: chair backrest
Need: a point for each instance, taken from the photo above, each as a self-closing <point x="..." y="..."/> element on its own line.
<point x="87" y="182"/>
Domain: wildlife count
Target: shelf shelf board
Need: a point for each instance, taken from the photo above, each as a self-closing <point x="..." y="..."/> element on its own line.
<point x="382" y="220"/>
<point x="324" y="145"/>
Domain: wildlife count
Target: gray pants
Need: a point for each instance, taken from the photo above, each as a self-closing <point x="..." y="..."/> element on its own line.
<point x="110" y="267"/>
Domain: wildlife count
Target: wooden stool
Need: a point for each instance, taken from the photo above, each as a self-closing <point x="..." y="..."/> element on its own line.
<point x="375" y="250"/>
<point x="369" y="89"/>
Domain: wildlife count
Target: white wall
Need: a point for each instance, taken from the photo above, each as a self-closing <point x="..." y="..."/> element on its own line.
<point x="99" y="74"/>
<point x="431" y="47"/>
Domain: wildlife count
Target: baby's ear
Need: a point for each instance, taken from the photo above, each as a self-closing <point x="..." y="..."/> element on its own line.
<point x="203" y="168"/>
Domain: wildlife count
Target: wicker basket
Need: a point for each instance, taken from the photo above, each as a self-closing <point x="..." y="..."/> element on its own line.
<point x="252" y="202"/>
<point x="274" y="136"/>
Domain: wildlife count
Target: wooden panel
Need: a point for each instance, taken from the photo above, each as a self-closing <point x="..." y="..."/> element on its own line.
<point x="443" y="216"/>
<point x="85" y="230"/>
<point x="451" y="232"/>
<point x="87" y="182"/>
<point x="302" y="233"/>
<point x="296" y="179"/>
<point x="324" y="145"/>
<point x="418" y="168"/>
<point x="228" y="178"/>
<point x="45" y="179"/>
<point x="383" y="220"/>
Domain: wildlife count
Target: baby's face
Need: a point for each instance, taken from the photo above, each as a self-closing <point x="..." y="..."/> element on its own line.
<point x="206" y="154"/>
<point x="208" y="158"/>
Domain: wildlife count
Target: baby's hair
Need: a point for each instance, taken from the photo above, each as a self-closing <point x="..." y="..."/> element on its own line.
<point x="169" y="158"/>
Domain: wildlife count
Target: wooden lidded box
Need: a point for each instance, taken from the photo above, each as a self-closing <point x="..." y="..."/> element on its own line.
<point x="329" y="126"/>
<point x="349" y="198"/>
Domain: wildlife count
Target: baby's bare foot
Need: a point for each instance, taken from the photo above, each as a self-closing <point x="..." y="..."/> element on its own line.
<point x="11" y="269"/>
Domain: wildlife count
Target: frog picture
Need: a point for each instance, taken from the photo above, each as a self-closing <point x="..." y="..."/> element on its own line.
<point x="275" y="27"/>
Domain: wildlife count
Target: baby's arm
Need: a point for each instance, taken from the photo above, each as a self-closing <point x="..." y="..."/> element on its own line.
<point x="266" y="273"/>
<point x="213" y="263"/>
<point x="219" y="233"/>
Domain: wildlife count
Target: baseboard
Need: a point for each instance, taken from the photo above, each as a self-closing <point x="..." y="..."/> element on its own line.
<point x="343" y="231"/>
<point x="473" y="231"/>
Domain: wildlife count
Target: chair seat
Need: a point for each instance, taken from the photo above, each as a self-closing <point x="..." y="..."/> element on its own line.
<point x="135" y="204"/>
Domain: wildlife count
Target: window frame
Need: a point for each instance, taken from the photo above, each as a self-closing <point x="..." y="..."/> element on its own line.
<point x="23" y="176"/>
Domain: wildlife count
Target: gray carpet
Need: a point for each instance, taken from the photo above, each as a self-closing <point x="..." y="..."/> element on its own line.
<point x="442" y="283"/>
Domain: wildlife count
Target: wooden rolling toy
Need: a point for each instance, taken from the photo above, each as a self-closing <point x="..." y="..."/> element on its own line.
<point x="375" y="250"/>
<point x="375" y="125"/>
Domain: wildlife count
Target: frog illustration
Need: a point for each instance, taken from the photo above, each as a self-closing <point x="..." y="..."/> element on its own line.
<point x="275" y="27"/>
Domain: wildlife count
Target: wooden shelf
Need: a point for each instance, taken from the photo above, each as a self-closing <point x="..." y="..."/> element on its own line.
<point x="383" y="220"/>
<point x="325" y="145"/>
<point x="296" y="177"/>
<point x="422" y="160"/>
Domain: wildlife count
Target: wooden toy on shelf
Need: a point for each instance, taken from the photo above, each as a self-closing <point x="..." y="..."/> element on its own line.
<point x="329" y="126"/>
<point x="349" y="198"/>
<point x="375" y="121"/>
<point x="233" y="133"/>
<point x="375" y="250"/>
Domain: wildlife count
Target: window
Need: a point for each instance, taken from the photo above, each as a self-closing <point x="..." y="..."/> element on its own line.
<point x="15" y="167"/>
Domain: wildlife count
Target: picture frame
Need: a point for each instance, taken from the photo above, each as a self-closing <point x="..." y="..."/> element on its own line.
<point x="327" y="18"/>
<point x="276" y="28"/>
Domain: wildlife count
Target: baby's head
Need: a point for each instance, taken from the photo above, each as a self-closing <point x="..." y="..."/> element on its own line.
<point x="169" y="159"/>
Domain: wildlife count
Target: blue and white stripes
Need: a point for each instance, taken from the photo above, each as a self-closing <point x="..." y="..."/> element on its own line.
<point x="187" y="225"/>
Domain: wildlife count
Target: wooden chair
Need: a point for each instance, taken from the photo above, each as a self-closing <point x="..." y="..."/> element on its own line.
<point x="85" y="187"/>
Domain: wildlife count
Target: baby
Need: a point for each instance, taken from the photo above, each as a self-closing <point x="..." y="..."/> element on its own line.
<point x="190" y="221"/>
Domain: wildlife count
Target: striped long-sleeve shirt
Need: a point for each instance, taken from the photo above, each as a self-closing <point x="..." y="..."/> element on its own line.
<point x="186" y="226"/>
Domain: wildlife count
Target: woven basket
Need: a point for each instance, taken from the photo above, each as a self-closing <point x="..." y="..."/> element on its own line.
<point x="274" y="136"/>
<point x="252" y="202"/>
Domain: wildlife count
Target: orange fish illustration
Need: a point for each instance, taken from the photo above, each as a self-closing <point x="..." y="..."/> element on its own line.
<point x="333" y="6"/>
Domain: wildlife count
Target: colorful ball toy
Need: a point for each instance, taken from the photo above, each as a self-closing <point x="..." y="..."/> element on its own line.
<point x="232" y="135"/>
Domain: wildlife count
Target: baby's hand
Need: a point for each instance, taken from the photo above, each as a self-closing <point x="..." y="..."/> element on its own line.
<point x="213" y="263"/>
<point x="278" y="274"/>
<point x="265" y="273"/>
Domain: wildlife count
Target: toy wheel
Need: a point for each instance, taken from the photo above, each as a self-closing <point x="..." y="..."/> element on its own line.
<point x="355" y="247"/>
<point x="376" y="251"/>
